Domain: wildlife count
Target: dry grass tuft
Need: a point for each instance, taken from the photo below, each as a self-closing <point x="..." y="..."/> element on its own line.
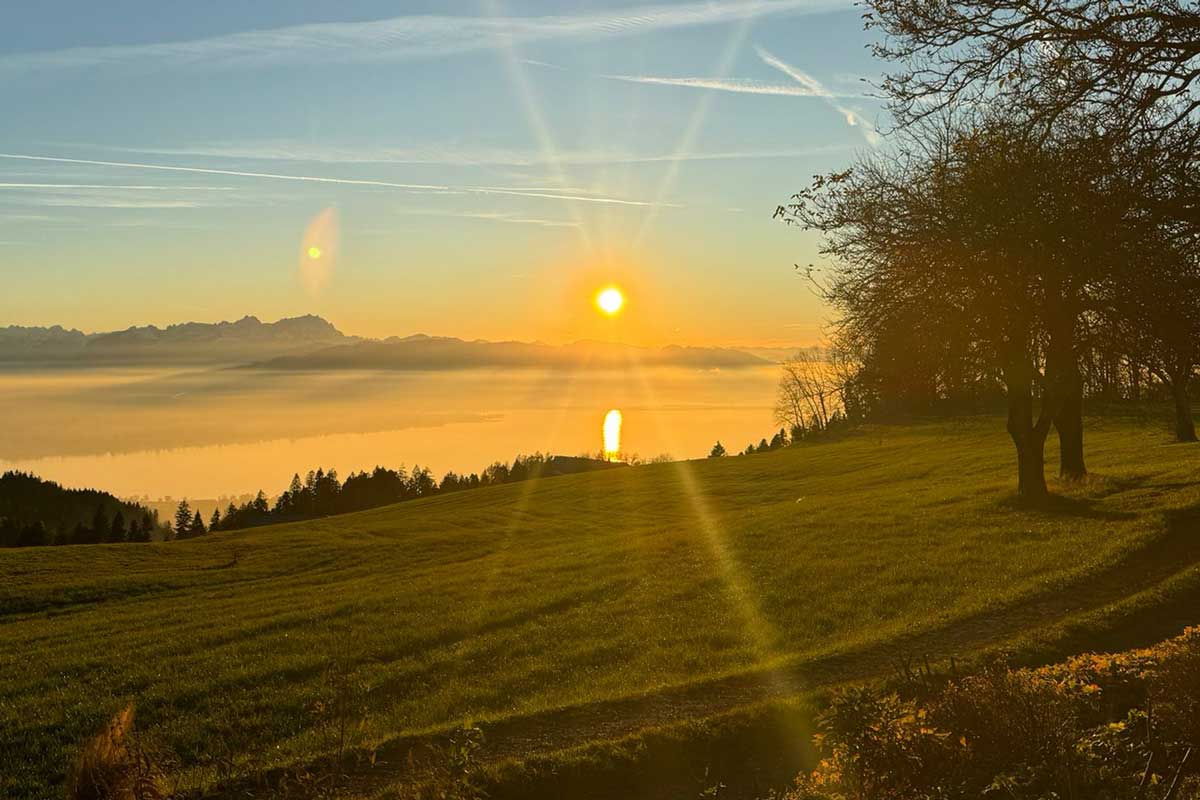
<point x="111" y="766"/>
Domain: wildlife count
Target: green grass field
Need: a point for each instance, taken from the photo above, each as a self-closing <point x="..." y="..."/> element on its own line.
<point x="599" y="591"/>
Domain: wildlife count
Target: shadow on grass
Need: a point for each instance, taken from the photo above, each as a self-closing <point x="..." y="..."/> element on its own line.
<point x="1080" y="498"/>
<point x="1060" y="505"/>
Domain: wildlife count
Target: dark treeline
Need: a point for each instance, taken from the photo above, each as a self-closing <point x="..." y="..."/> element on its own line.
<point x="800" y="432"/>
<point x="34" y="512"/>
<point x="322" y="494"/>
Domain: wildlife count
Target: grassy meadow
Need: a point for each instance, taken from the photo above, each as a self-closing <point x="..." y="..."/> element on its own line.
<point x="600" y="590"/>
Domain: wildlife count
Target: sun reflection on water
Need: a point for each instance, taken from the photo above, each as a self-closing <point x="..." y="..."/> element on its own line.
<point x="612" y="435"/>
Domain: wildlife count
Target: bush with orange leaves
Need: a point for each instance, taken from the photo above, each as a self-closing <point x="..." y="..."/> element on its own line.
<point x="1114" y="726"/>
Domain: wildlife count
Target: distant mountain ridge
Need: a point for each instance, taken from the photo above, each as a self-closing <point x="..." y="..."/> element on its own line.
<point x="190" y="342"/>
<point x="313" y="343"/>
<point x="422" y="352"/>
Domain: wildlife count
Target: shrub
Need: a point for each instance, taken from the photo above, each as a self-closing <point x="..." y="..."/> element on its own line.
<point x="1097" y="726"/>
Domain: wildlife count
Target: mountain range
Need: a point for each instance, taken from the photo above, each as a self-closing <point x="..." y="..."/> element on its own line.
<point x="310" y="343"/>
<point x="423" y="352"/>
<point x="188" y="343"/>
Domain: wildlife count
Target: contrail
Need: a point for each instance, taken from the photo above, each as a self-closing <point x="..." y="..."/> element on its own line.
<point x="405" y="37"/>
<point x="115" y="186"/>
<point x="739" y="86"/>
<point x="412" y="187"/>
<point x="852" y="117"/>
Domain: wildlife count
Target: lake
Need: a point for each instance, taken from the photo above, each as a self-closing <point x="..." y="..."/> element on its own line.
<point x="213" y="432"/>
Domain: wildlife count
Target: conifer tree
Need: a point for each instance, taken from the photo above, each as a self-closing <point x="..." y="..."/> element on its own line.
<point x="183" y="519"/>
<point x="116" y="532"/>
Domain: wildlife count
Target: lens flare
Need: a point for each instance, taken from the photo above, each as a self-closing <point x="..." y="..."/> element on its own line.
<point x="610" y="300"/>
<point x="612" y="435"/>
<point x="318" y="252"/>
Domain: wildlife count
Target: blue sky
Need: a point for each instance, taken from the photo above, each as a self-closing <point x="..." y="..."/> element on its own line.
<point x="472" y="169"/>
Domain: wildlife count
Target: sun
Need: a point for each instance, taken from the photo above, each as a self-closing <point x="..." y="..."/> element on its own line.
<point x="314" y="252"/>
<point x="610" y="300"/>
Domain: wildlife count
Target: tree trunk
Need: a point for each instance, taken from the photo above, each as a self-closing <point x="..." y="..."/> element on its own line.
<point x="1069" y="424"/>
<point x="1028" y="438"/>
<point x="1185" y="427"/>
<point x="1031" y="469"/>
<point x="1063" y="396"/>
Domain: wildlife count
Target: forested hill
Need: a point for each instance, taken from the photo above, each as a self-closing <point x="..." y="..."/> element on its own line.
<point x="32" y="508"/>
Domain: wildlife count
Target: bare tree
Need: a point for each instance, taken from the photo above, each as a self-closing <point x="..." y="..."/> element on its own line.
<point x="1137" y="60"/>
<point x="809" y="392"/>
<point x="1156" y="310"/>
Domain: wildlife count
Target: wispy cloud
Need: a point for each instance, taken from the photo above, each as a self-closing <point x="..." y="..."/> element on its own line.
<point x="533" y="62"/>
<point x="112" y="186"/>
<point x="492" y="216"/>
<point x="738" y="85"/>
<point x="464" y="156"/>
<point x="852" y="117"/>
<point x="408" y="187"/>
<point x="407" y="37"/>
<point x="85" y="201"/>
<point x="107" y="195"/>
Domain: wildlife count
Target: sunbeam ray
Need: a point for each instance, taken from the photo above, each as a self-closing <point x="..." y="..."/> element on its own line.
<point x="537" y="123"/>
<point x="695" y="123"/>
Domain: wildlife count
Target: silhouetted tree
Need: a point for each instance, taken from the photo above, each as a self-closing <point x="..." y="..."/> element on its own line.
<point x="183" y="520"/>
<point x="421" y="483"/>
<point x="717" y="451"/>
<point x="100" y="529"/>
<point x="987" y="234"/>
<point x="808" y="391"/>
<point x="196" y="527"/>
<point x="33" y="535"/>
<point x="497" y="472"/>
<point x="1135" y="60"/>
<point x="214" y="524"/>
<point x="326" y="490"/>
<point x="117" y="532"/>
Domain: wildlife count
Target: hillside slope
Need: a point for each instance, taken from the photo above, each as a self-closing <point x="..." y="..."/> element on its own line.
<point x="559" y="610"/>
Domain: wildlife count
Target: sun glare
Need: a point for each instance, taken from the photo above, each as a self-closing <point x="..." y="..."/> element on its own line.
<point x="612" y="435"/>
<point x="610" y="301"/>
<point x="318" y="252"/>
